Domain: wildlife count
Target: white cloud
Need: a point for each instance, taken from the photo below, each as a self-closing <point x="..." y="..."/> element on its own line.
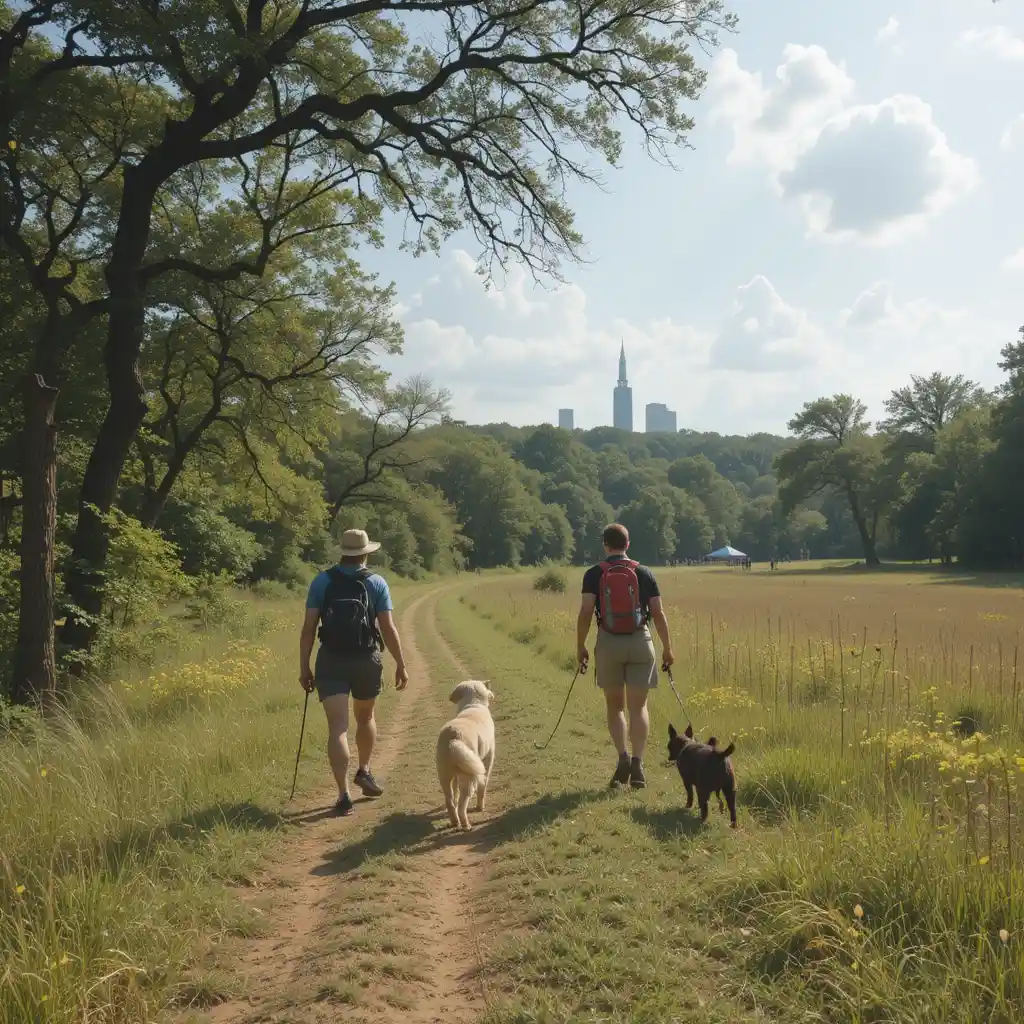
<point x="872" y="173"/>
<point x="889" y="339"/>
<point x="888" y="35"/>
<point x="518" y="353"/>
<point x="773" y="124"/>
<point x="1010" y="133"/>
<point x="1014" y="262"/>
<point x="765" y="334"/>
<point x="877" y="307"/>
<point x="998" y="40"/>
<point x="889" y="30"/>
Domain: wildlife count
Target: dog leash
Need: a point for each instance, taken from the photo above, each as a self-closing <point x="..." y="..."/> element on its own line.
<point x="579" y="669"/>
<point x="671" y="682"/>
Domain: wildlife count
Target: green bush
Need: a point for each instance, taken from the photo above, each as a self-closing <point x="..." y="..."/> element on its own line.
<point x="551" y="581"/>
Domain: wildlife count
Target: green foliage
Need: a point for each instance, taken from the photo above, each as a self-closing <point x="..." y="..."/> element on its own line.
<point x="143" y="571"/>
<point x="551" y="581"/>
<point x="10" y="595"/>
<point x="209" y="541"/>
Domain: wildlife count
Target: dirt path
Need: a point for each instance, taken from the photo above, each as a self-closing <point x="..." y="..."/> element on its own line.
<point x="291" y="973"/>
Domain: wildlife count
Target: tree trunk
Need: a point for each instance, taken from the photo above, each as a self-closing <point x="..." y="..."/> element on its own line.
<point x="84" y="580"/>
<point x="127" y="410"/>
<point x="35" y="668"/>
<point x="867" y="538"/>
<point x="155" y="498"/>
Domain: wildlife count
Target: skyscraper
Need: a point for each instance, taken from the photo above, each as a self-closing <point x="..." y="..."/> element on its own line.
<point x="622" y="400"/>
<point x="565" y="419"/>
<point x="660" y="419"/>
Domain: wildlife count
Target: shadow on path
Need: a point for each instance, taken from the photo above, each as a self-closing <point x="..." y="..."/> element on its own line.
<point x="422" y="833"/>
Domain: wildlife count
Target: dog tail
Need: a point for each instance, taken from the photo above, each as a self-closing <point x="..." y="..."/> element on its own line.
<point x="725" y="753"/>
<point x="467" y="761"/>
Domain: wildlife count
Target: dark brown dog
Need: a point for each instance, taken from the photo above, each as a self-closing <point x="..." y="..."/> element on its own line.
<point x="705" y="768"/>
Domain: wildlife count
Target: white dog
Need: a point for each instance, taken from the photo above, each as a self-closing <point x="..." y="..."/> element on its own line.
<point x="465" y="751"/>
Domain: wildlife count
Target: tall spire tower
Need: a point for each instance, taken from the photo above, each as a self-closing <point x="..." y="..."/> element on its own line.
<point x="622" y="397"/>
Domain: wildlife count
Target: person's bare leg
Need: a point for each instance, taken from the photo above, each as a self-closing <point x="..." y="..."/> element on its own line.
<point x="639" y="719"/>
<point x="366" y="731"/>
<point x="615" y="705"/>
<point x="336" y="709"/>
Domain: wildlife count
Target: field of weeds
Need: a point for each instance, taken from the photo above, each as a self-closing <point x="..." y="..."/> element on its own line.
<point x="880" y="751"/>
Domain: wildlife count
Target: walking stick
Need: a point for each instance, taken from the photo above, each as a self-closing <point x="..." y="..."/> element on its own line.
<point x="579" y="668"/>
<point x="298" y="753"/>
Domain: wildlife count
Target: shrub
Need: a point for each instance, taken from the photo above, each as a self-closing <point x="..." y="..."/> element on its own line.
<point x="214" y="603"/>
<point x="209" y="542"/>
<point x="551" y="581"/>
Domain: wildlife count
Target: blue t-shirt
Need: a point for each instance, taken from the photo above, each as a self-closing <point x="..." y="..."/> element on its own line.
<point x="376" y="588"/>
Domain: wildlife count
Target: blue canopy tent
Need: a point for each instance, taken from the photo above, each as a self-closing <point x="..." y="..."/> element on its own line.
<point x="727" y="554"/>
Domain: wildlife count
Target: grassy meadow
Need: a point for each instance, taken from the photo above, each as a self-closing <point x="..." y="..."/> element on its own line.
<point x="877" y="875"/>
<point x="127" y="825"/>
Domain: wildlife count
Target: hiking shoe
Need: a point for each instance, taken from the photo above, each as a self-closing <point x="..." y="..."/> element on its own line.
<point x="637" y="779"/>
<point x="367" y="783"/>
<point x="621" y="776"/>
<point x="344" y="806"/>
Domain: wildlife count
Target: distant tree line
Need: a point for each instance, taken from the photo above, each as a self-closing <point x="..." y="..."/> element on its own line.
<point x="940" y="479"/>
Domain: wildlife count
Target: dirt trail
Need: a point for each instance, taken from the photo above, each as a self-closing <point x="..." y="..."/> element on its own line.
<point x="284" y="974"/>
<point x="458" y="995"/>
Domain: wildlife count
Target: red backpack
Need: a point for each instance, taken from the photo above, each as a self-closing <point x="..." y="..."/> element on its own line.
<point x="618" y="598"/>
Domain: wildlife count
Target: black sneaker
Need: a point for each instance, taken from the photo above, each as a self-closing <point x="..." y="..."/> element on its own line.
<point x="637" y="779"/>
<point x="344" y="806"/>
<point x="367" y="783"/>
<point x="621" y="776"/>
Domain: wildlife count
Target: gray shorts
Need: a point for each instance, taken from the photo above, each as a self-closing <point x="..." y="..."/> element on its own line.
<point x="360" y="675"/>
<point x="625" y="660"/>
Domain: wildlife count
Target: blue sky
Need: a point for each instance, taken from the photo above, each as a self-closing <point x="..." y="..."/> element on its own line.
<point x="851" y="214"/>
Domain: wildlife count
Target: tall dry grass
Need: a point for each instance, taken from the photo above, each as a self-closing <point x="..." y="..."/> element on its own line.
<point x="879" y="723"/>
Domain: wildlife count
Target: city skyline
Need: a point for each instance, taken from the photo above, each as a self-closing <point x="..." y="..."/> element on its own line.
<point x="658" y="417"/>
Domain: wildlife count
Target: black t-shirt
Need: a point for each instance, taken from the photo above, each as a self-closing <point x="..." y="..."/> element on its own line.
<point x="644" y="576"/>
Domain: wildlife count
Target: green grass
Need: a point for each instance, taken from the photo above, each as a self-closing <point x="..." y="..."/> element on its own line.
<point x="161" y="802"/>
<point x="626" y="910"/>
<point x="128" y="826"/>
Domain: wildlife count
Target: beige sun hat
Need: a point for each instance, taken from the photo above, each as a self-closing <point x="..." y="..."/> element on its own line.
<point x="357" y="542"/>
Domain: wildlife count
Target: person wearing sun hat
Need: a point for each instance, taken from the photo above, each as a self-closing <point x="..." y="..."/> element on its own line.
<point x="353" y="608"/>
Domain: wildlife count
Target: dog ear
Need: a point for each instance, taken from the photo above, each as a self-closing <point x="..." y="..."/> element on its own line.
<point x="456" y="695"/>
<point x="672" y="734"/>
<point x="689" y="732"/>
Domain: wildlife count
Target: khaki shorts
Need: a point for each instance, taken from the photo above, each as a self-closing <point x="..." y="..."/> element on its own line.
<point x="625" y="660"/>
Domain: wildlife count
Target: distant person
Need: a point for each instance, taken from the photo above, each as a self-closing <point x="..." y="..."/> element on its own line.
<point x="353" y="607"/>
<point x="624" y="597"/>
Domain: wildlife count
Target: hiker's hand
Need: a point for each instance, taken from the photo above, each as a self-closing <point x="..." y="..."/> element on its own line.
<point x="306" y="680"/>
<point x="583" y="658"/>
<point x="401" y="677"/>
<point x="667" y="660"/>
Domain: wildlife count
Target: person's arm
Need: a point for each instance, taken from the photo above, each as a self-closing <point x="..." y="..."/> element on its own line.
<point x="306" y="639"/>
<point x="661" y="625"/>
<point x="583" y="620"/>
<point x="392" y="641"/>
